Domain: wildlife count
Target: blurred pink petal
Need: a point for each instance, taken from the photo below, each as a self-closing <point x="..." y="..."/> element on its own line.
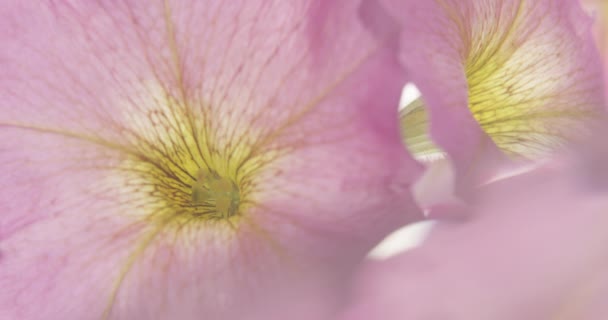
<point x="599" y="10"/>
<point x="523" y="76"/>
<point x="192" y="159"/>
<point x="534" y="249"/>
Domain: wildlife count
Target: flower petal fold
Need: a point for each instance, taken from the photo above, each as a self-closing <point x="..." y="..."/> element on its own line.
<point x="535" y="248"/>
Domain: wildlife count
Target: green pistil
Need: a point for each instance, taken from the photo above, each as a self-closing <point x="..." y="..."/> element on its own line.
<point x="214" y="194"/>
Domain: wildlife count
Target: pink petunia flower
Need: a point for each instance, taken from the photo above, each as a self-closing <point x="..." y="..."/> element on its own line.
<point x="193" y="159"/>
<point x="533" y="246"/>
<point x="518" y="78"/>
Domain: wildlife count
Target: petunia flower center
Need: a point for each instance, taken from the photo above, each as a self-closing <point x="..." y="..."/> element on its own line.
<point x="185" y="173"/>
<point x="214" y="194"/>
<point x="183" y="166"/>
<point x="188" y="178"/>
<point x="527" y="87"/>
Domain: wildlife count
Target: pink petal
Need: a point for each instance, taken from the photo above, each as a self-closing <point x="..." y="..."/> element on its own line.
<point x="534" y="249"/>
<point x="599" y="11"/>
<point x="109" y="108"/>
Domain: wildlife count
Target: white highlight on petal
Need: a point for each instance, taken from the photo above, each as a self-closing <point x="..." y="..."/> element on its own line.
<point x="404" y="239"/>
<point x="507" y="173"/>
<point x="409" y="93"/>
<point x="431" y="156"/>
